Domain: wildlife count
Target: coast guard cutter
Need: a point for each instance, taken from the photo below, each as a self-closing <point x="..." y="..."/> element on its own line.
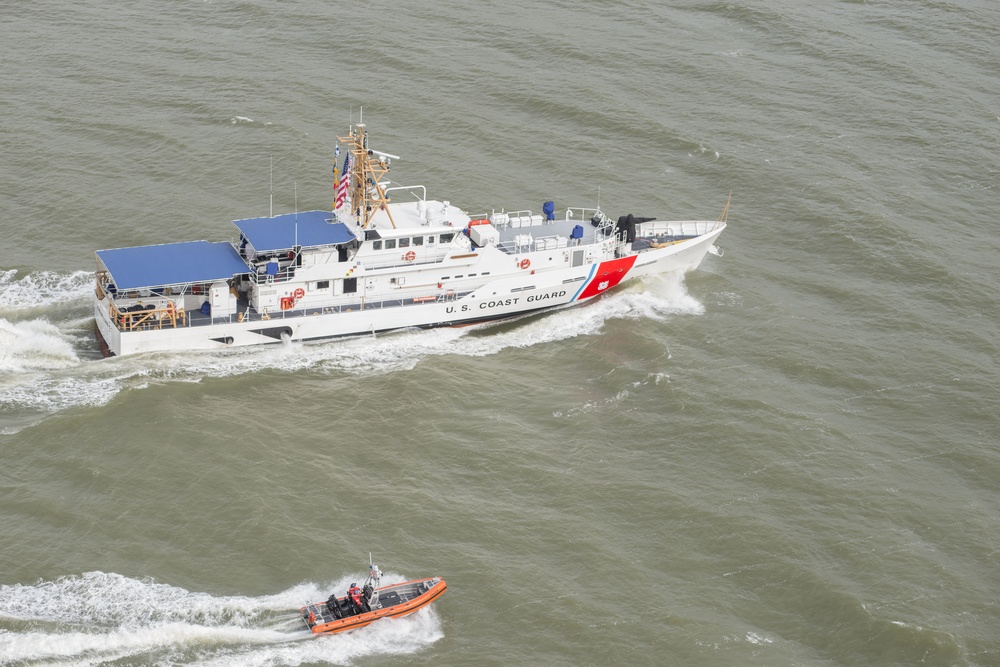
<point x="385" y="257"/>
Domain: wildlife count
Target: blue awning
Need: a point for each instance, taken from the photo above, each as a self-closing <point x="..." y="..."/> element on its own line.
<point x="172" y="264"/>
<point x="284" y="232"/>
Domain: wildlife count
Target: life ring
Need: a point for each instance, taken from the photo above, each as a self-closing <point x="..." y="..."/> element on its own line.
<point x="410" y="256"/>
<point x="299" y="293"/>
<point x="525" y="263"/>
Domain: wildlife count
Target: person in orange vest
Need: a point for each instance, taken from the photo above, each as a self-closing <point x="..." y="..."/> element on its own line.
<point x="354" y="593"/>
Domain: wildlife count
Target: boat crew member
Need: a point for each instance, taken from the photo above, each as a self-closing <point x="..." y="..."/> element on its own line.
<point x="354" y="593"/>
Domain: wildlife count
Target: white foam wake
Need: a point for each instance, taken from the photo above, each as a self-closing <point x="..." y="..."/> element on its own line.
<point x="47" y="367"/>
<point x="42" y="289"/>
<point x="96" y="617"/>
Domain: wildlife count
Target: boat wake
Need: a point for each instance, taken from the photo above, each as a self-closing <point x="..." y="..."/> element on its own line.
<point x="99" y="618"/>
<point x="49" y="361"/>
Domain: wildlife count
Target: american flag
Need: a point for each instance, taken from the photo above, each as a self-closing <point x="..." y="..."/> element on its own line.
<point x="345" y="179"/>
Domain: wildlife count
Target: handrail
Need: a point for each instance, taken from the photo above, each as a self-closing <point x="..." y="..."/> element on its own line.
<point x="409" y="187"/>
<point x="151" y="318"/>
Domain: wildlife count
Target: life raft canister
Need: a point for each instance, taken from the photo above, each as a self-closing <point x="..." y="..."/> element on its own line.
<point x="525" y="263"/>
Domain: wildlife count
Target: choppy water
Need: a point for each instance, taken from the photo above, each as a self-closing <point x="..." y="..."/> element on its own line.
<point x="789" y="457"/>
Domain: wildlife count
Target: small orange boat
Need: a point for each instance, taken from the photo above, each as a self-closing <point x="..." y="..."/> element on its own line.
<point x="363" y="606"/>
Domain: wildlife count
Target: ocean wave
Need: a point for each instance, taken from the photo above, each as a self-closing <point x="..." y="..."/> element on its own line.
<point x="99" y="617"/>
<point x="43" y="289"/>
<point x="45" y="366"/>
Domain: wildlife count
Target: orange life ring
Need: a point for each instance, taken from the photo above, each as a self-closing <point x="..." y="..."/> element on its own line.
<point x="410" y="256"/>
<point x="299" y="293"/>
<point x="525" y="263"/>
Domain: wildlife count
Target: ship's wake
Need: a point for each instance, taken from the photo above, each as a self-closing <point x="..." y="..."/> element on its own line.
<point x="100" y="618"/>
<point x="49" y="361"/>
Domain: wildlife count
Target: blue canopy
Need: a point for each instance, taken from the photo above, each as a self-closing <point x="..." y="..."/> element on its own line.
<point x="284" y="232"/>
<point x="172" y="264"/>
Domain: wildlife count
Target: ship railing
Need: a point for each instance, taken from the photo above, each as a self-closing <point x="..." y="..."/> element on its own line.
<point x="431" y="295"/>
<point x="398" y="260"/>
<point x="580" y="213"/>
<point x="527" y="217"/>
<point x="284" y="274"/>
<point x="675" y="229"/>
<point x="423" y="189"/>
<point x="527" y="243"/>
<point x="140" y="316"/>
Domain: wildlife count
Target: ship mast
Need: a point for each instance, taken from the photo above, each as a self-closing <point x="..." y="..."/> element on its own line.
<point x="368" y="167"/>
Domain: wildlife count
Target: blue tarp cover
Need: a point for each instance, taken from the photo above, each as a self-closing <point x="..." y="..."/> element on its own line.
<point x="284" y="232"/>
<point x="172" y="264"/>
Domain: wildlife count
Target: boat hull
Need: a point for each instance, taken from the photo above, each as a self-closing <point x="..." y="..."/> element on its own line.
<point x="320" y="621"/>
<point x="506" y="296"/>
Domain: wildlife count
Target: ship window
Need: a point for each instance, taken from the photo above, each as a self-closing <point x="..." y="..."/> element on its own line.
<point x="376" y="245"/>
<point x="457" y="277"/>
<point x="323" y="284"/>
<point x="430" y="240"/>
<point x="472" y="275"/>
<point x="350" y="285"/>
<point x="404" y="243"/>
<point x="418" y="240"/>
<point x="446" y="238"/>
<point x="390" y="244"/>
<point x="486" y="273"/>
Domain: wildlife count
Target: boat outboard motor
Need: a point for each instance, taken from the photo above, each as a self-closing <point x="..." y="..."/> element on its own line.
<point x="366" y="597"/>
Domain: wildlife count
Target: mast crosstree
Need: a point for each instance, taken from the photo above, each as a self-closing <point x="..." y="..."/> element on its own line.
<point x="368" y="168"/>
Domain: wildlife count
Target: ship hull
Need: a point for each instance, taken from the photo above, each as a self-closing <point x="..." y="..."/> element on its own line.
<point x="525" y="292"/>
